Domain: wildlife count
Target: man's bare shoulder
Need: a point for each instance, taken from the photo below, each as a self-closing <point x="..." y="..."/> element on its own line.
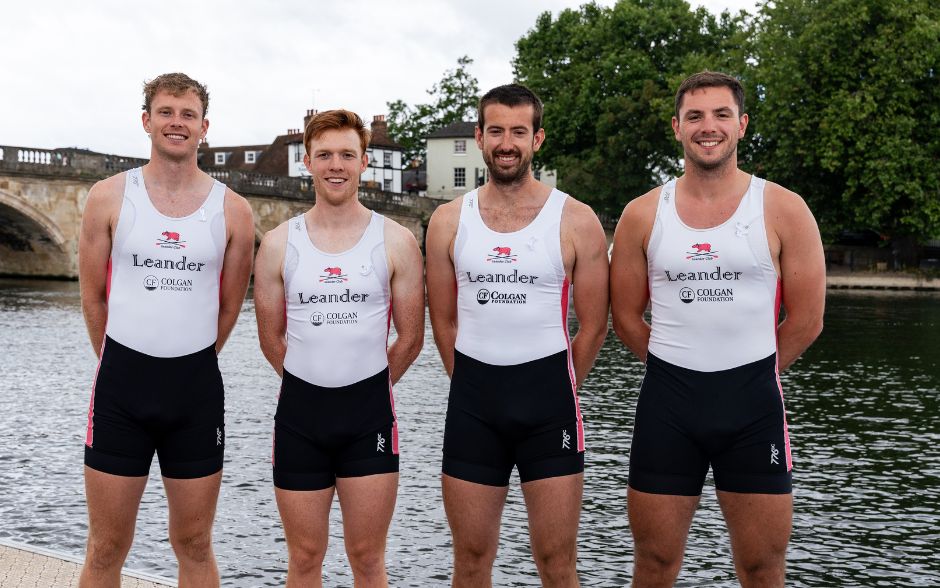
<point x="642" y="208"/>
<point x="108" y="190"/>
<point x="580" y="216"/>
<point x="779" y="200"/>
<point x="446" y="217"/>
<point x="236" y="202"/>
<point x="278" y="234"/>
<point x="398" y="235"/>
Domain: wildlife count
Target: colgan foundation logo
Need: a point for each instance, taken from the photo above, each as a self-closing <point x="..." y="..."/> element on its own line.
<point x="703" y="252"/>
<point x="484" y="296"/>
<point x="170" y="240"/>
<point x="501" y="255"/>
<point x="333" y="275"/>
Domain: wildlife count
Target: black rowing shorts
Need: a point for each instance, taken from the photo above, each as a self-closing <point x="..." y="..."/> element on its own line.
<point x="525" y="415"/>
<point x="731" y="419"/>
<point x="141" y="404"/>
<point x="323" y="433"/>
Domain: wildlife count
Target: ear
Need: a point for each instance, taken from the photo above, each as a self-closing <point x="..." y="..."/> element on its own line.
<point x="365" y="162"/>
<point x="145" y="120"/>
<point x="205" y="127"/>
<point x="478" y="136"/>
<point x="743" y="122"/>
<point x="307" y="163"/>
<point x="675" y="128"/>
<point x="538" y="139"/>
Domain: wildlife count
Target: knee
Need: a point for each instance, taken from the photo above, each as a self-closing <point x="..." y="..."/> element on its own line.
<point x="306" y="559"/>
<point x="367" y="559"/>
<point x="471" y="557"/>
<point x="557" y="565"/>
<point x="769" y="570"/>
<point x="106" y="552"/>
<point x="195" y="547"/>
<point x="657" y="563"/>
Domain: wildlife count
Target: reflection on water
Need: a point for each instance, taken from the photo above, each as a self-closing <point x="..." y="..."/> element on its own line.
<point x="862" y="404"/>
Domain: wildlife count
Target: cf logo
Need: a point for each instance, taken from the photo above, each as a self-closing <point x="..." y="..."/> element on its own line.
<point x="150" y="282"/>
<point x="316" y="318"/>
<point x="483" y="296"/>
<point x="686" y="295"/>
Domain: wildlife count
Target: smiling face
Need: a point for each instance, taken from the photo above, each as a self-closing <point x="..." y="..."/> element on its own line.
<point x="175" y="124"/>
<point x="709" y="127"/>
<point x="336" y="162"/>
<point x="508" y="142"/>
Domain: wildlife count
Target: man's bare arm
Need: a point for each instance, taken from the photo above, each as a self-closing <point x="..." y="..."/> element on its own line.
<point x="269" y="297"/>
<point x="442" y="280"/>
<point x="236" y="265"/>
<point x="102" y="210"/>
<point x="407" y="291"/>
<point x="629" y="281"/>
<point x="802" y="273"/>
<point x="583" y="230"/>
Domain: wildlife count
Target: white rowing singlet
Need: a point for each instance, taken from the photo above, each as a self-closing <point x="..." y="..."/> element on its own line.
<point x="338" y="307"/>
<point x="163" y="276"/>
<point x="512" y="292"/>
<point x="715" y="292"/>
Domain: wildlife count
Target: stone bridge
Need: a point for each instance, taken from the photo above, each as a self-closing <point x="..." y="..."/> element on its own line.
<point x="43" y="193"/>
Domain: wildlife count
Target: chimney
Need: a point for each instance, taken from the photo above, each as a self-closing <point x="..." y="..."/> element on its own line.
<point x="310" y="113"/>
<point x="380" y="128"/>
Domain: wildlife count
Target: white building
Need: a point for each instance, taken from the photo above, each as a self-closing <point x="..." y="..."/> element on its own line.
<point x="455" y="163"/>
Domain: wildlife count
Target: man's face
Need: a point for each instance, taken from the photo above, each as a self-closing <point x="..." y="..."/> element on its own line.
<point x="336" y="162"/>
<point x="508" y="142"/>
<point x="709" y="127"/>
<point x="175" y="124"/>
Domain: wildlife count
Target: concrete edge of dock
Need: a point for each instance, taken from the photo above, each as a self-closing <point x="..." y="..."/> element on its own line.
<point x="31" y="565"/>
<point x="874" y="281"/>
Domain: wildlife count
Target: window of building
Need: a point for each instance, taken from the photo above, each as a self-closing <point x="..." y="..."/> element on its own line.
<point x="220" y="158"/>
<point x="460" y="177"/>
<point x="460" y="146"/>
<point x="387" y="158"/>
<point x="250" y="156"/>
<point x="298" y="154"/>
<point x="387" y="184"/>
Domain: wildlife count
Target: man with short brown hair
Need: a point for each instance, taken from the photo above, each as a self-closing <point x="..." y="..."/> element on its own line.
<point x="164" y="261"/>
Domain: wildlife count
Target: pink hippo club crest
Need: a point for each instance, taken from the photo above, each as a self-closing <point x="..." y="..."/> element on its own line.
<point x="501" y="255"/>
<point x="170" y="240"/>
<point x="703" y="252"/>
<point x="333" y="275"/>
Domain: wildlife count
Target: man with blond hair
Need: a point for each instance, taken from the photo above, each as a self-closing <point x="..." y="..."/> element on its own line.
<point x="328" y="283"/>
<point x="164" y="261"/>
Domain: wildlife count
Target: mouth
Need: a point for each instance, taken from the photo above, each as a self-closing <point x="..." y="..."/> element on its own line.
<point x="175" y="136"/>
<point x="709" y="143"/>
<point x="336" y="181"/>
<point x="506" y="158"/>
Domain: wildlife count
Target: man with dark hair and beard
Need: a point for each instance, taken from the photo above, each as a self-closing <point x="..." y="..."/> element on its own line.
<point x="716" y="252"/>
<point x="500" y="264"/>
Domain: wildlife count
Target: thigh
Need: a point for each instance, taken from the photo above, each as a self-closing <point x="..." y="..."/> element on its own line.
<point x="665" y="454"/>
<point x="112" y="504"/>
<point x="192" y="436"/>
<point x="473" y="512"/>
<point x="368" y="503"/>
<point x="759" y="526"/>
<point x="554" y="509"/>
<point x="306" y="518"/>
<point x="660" y="523"/>
<point x="192" y="503"/>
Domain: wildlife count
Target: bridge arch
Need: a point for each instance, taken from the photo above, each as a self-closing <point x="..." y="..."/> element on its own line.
<point x="31" y="243"/>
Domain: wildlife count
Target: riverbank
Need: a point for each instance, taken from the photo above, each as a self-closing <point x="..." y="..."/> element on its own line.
<point x="26" y="565"/>
<point x="845" y="280"/>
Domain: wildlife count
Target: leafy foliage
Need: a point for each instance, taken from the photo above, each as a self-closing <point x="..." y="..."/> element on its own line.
<point x="453" y="99"/>
<point x="849" y="111"/>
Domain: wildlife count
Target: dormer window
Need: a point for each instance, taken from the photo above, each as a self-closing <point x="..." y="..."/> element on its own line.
<point x="220" y="158"/>
<point x="251" y="156"/>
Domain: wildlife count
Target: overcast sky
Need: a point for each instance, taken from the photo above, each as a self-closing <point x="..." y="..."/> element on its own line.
<point x="72" y="71"/>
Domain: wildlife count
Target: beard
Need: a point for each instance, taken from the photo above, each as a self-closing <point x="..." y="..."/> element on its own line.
<point x="507" y="176"/>
<point x="714" y="164"/>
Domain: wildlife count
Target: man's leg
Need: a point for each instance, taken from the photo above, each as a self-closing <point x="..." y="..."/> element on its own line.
<point x="473" y="512"/>
<point x="112" y="514"/>
<point x="554" y="507"/>
<point x="759" y="525"/>
<point x="368" y="503"/>
<point x="192" y="504"/>
<point x="306" y="518"/>
<point x="660" y="525"/>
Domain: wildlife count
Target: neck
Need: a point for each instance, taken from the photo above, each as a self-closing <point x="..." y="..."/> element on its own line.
<point x="712" y="182"/>
<point x="516" y="193"/>
<point x="170" y="174"/>
<point x="326" y="215"/>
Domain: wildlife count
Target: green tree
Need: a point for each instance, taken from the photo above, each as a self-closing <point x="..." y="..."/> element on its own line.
<point x="849" y="111"/>
<point x="608" y="77"/>
<point x="454" y="98"/>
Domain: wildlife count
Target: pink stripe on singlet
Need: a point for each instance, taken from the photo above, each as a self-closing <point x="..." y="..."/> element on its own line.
<point x="571" y="376"/>
<point x="786" y="432"/>
<point x="90" y="429"/>
<point x="391" y="395"/>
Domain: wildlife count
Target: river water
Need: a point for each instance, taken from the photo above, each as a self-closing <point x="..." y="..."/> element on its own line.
<point x="863" y="408"/>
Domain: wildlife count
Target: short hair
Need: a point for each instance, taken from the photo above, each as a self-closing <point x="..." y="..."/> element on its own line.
<point x="711" y="79"/>
<point x="176" y="84"/>
<point x="512" y="95"/>
<point x="336" y="120"/>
